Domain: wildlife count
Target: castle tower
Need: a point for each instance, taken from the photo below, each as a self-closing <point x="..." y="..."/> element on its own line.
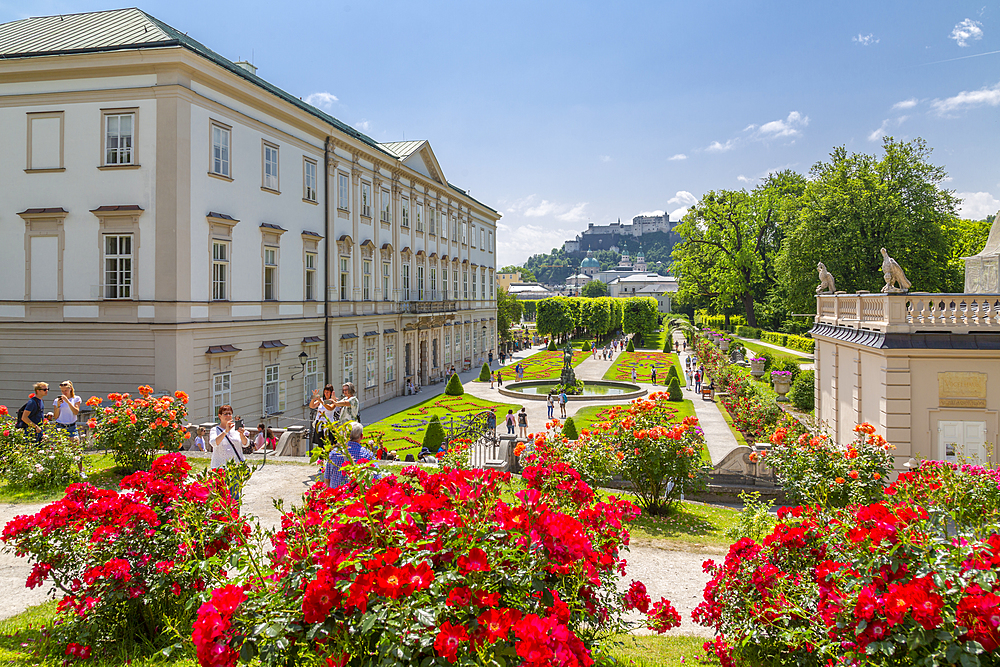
<point x="626" y="261"/>
<point x="640" y="261"/>
<point x="590" y="266"/>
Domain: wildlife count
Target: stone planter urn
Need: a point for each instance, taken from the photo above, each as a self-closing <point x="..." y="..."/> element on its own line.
<point x="757" y="367"/>
<point x="782" y="383"/>
<point x="724" y="345"/>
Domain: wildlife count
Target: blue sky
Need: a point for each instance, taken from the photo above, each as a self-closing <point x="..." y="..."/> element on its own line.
<point x="562" y="113"/>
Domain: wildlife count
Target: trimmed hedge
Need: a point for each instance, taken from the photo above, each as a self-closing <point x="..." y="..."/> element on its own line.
<point x="748" y="332"/>
<point x="672" y="373"/>
<point x="801" y="343"/>
<point x="484" y="373"/>
<point x="569" y="430"/>
<point x="674" y="390"/>
<point x="703" y="319"/>
<point x="434" y="435"/>
<point x="802" y="394"/>
<point x="552" y="345"/>
<point x="774" y="337"/>
<point x="455" y="387"/>
<point x="586" y="346"/>
<point x="630" y="347"/>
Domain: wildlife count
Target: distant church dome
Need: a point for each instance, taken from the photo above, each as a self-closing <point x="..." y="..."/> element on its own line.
<point x="590" y="261"/>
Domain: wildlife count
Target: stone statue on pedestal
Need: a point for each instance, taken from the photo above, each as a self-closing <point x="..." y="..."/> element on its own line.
<point x="893" y="274"/>
<point x="568" y="376"/>
<point x="982" y="271"/>
<point x="826" y="284"/>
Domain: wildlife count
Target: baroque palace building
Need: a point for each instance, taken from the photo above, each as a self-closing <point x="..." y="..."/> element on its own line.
<point x="170" y="218"/>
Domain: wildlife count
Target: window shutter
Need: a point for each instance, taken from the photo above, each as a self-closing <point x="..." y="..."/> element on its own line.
<point x="281" y="396"/>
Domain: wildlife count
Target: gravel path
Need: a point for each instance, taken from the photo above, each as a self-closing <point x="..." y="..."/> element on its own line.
<point x="668" y="572"/>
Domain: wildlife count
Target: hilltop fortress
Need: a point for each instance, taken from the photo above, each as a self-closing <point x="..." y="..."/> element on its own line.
<point x="605" y="237"/>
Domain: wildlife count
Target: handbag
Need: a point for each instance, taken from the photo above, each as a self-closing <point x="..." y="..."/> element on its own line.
<point x="236" y="450"/>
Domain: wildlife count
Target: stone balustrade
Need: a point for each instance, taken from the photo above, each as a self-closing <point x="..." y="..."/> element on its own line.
<point x="911" y="313"/>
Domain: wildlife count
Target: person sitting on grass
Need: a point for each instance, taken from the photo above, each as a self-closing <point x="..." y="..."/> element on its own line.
<point x="332" y="475"/>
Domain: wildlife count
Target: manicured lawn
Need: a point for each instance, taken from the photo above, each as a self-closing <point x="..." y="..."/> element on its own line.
<point x="653" y="341"/>
<point x="777" y="354"/>
<point x="101" y="472"/>
<point x="403" y="432"/>
<point x="690" y="524"/>
<point x="542" y="365"/>
<point x="643" y="363"/>
<point x="657" y="651"/>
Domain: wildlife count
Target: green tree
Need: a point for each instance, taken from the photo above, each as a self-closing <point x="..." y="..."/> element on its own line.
<point x="856" y="204"/>
<point x="484" y="373"/>
<point x="630" y="347"/>
<point x="454" y="387"/>
<point x="527" y="275"/>
<point x="554" y="316"/>
<point x="640" y="316"/>
<point x="731" y="240"/>
<point x="674" y="390"/>
<point x="434" y="435"/>
<point x="509" y="311"/>
<point x="569" y="429"/>
<point x="594" y="289"/>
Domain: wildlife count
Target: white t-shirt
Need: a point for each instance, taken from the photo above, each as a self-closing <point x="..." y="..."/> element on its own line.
<point x="66" y="415"/>
<point x="222" y="452"/>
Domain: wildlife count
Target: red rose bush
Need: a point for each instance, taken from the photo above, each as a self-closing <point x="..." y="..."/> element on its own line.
<point x="913" y="578"/>
<point x="452" y="567"/>
<point x="129" y="565"/>
<point x="136" y="429"/>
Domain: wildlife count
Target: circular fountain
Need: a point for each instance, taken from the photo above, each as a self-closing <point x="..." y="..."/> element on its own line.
<point x="592" y="391"/>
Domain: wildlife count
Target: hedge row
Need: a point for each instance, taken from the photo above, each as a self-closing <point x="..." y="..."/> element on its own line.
<point x="703" y="319"/>
<point x="801" y="343"/>
<point x="748" y="332"/>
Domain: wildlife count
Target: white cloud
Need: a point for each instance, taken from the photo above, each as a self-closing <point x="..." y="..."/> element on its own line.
<point x="605" y="158"/>
<point x="966" y="31"/>
<point x="322" y="100"/>
<point x="967" y="99"/>
<point x="877" y="134"/>
<point x="743" y="179"/>
<point x="679" y="156"/>
<point x="650" y="213"/>
<point x="531" y="207"/>
<point x="684" y="198"/>
<point x="977" y="205"/>
<point x="517" y="240"/>
<point x="716" y="147"/>
<point x="363" y="125"/>
<point x="789" y="127"/>
<point x="905" y="104"/>
<point x="865" y="40"/>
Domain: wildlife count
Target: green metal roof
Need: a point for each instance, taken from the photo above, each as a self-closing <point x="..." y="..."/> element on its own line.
<point x="132" y="28"/>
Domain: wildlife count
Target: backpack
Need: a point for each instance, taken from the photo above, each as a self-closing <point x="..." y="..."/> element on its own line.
<point x="21" y="411"/>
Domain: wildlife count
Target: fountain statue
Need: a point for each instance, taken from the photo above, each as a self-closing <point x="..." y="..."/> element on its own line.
<point x="568" y="376"/>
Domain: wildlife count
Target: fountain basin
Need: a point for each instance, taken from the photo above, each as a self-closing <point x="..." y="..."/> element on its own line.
<point x="537" y="390"/>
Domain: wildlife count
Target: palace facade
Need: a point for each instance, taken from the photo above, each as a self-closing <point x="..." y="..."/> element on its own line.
<point x="170" y="218"/>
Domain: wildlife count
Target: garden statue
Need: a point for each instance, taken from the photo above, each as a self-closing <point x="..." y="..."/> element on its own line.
<point x="568" y="376"/>
<point x="826" y="284"/>
<point x="893" y="274"/>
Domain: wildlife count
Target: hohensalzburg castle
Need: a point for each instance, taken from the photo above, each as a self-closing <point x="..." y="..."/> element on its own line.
<point x="605" y="237"/>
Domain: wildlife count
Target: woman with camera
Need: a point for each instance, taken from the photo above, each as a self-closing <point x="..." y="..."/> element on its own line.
<point x="227" y="439"/>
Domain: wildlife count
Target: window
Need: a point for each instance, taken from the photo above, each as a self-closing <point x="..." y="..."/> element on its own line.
<point x="312" y="380"/>
<point x="484" y="284"/>
<point x="371" y="367"/>
<point x="489" y="242"/>
<point x="222" y="385"/>
<point x="493" y="286"/>
<point x="443" y="223"/>
<point x="447" y="349"/>
<point x="473" y="284"/>
<point x="444" y="283"/>
<point x="45" y="141"/>
<point x="348" y="367"/>
<point x="472" y="235"/>
<point x="366" y="279"/>
<point x="386" y="206"/>
<point x="404" y="212"/>
<point x="270" y="274"/>
<point x="465" y="233"/>
<point x="343" y="190"/>
<point x="390" y="362"/>
<point x="117" y="266"/>
<point x="434" y="353"/>
<point x="434" y="283"/>
<point x="420" y="283"/>
<point x="366" y="199"/>
<point x="386" y="280"/>
<point x="220" y="270"/>
<point x="406" y="282"/>
<point x="482" y="238"/>
<point x="344" y="272"/>
<point x="468" y="348"/>
<point x="465" y="283"/>
<point x="220" y="149"/>
<point x="454" y="278"/>
<point x="270" y="180"/>
<point x="310" y="276"/>
<point x="420" y="217"/>
<point x="118" y="138"/>
<point x="431" y="221"/>
<point x="454" y="229"/>
<point x="274" y="391"/>
<point x="310" y="192"/>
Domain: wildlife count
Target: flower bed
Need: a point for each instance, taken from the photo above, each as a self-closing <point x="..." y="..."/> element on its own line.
<point x="643" y="363"/>
<point x="26" y="463"/>
<point x="543" y="365"/>
<point x="906" y="580"/>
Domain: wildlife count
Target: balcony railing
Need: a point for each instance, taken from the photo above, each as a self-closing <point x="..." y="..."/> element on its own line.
<point x="908" y="313"/>
<point x="399" y="301"/>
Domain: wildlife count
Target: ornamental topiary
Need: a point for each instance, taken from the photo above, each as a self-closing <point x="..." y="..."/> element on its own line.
<point x="672" y="374"/>
<point x="674" y="390"/>
<point x="668" y="345"/>
<point x="484" y="374"/>
<point x="586" y="346"/>
<point x="569" y="430"/>
<point x="630" y="347"/>
<point x="552" y="345"/>
<point x="802" y="394"/>
<point x="454" y="387"/>
<point x="434" y="435"/>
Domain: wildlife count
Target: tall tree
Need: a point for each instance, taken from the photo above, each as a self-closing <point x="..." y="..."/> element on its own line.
<point x="641" y="316"/>
<point x="594" y="289"/>
<point x="554" y="316"/>
<point x="527" y="276"/>
<point x="731" y="239"/>
<point x="856" y="204"/>
<point x="508" y="313"/>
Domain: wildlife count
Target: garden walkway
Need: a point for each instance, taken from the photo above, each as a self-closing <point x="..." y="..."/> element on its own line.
<point x="786" y="350"/>
<point x="719" y="437"/>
